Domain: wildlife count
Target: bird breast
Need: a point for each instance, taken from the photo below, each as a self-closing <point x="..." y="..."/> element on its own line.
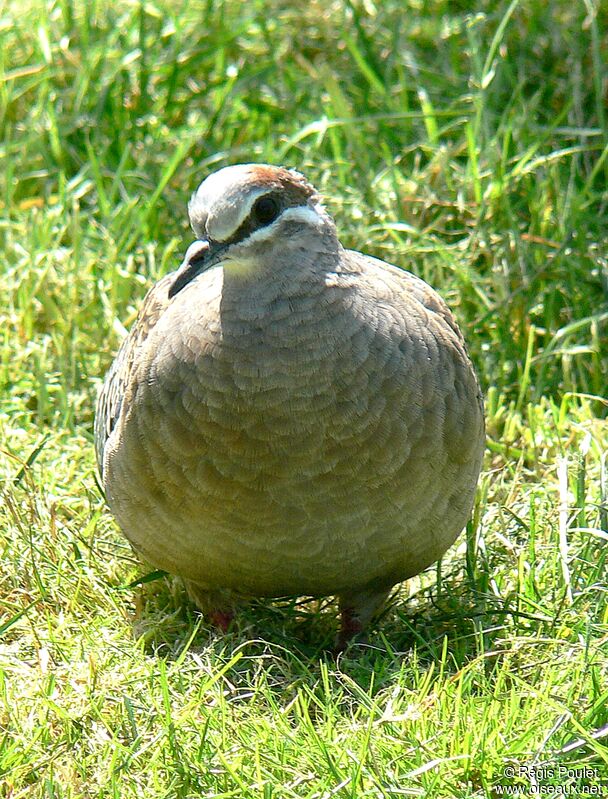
<point x="265" y="442"/>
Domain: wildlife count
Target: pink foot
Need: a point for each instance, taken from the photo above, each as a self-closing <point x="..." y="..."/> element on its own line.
<point x="222" y="619"/>
<point x="350" y="628"/>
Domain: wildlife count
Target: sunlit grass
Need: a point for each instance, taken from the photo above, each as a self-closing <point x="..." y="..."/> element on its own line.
<point x="469" y="146"/>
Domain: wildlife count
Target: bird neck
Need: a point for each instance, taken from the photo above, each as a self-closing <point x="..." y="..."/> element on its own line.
<point x="294" y="285"/>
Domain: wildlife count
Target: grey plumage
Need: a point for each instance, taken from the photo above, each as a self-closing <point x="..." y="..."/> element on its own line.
<point x="286" y="416"/>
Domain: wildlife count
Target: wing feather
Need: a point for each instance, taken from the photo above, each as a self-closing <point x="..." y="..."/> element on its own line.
<point x="111" y="396"/>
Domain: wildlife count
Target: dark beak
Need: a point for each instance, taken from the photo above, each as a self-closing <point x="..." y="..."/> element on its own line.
<point x="201" y="255"/>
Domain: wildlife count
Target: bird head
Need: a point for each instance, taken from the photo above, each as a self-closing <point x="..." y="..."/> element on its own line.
<point x="242" y="214"/>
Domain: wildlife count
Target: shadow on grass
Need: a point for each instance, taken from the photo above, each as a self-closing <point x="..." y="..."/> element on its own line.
<point x="293" y="638"/>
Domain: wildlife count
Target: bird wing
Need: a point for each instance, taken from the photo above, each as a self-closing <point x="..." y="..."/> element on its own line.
<point x="436" y="356"/>
<point x="415" y="286"/>
<point x="111" y="396"/>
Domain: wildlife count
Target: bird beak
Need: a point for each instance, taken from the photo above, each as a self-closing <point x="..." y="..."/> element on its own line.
<point x="200" y="256"/>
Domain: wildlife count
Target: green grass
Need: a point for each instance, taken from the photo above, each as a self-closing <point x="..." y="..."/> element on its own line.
<point x="469" y="145"/>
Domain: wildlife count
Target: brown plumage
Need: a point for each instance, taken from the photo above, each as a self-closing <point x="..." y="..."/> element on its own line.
<point x="287" y="417"/>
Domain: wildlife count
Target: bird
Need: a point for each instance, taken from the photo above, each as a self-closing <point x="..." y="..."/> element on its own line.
<point x="288" y="417"/>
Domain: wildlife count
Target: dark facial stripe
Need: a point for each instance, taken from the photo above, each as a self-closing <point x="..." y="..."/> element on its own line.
<point x="284" y="199"/>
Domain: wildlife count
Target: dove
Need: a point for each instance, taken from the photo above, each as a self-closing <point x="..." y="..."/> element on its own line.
<point x="288" y="417"/>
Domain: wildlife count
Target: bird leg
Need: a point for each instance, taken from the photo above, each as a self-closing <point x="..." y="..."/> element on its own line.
<point x="222" y="619"/>
<point x="217" y="606"/>
<point x="356" y="611"/>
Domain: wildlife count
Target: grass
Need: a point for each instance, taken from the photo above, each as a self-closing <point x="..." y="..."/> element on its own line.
<point x="467" y="144"/>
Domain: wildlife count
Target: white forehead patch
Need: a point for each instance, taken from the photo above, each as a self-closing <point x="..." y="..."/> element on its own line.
<point x="223" y="201"/>
<point x="225" y="198"/>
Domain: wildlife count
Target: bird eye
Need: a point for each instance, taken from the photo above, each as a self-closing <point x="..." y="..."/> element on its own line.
<point x="265" y="210"/>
